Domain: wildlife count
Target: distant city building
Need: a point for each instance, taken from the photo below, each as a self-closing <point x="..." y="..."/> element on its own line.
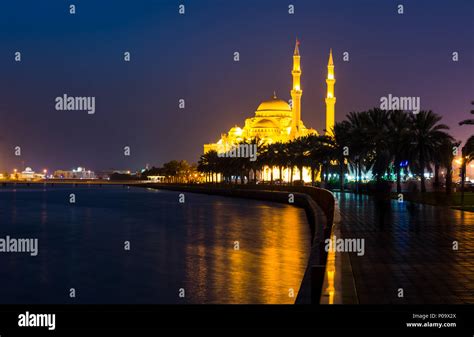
<point x="79" y="173"/>
<point x="27" y="174"/>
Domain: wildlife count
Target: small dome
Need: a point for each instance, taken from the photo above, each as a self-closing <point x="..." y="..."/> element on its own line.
<point x="235" y="131"/>
<point x="274" y="104"/>
<point x="265" y="123"/>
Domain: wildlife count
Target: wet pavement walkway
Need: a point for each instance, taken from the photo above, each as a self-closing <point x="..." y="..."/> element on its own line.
<point x="410" y="247"/>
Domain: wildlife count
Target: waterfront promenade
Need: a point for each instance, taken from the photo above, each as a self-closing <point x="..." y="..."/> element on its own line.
<point x="410" y="247"/>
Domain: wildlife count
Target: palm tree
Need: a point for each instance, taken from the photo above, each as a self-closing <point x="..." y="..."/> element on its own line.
<point x="446" y="152"/>
<point x="208" y="164"/>
<point x="244" y="165"/>
<point x="443" y="157"/>
<point x="399" y="141"/>
<point x="342" y="140"/>
<point x="279" y="152"/>
<point x="300" y="150"/>
<point x="359" y="146"/>
<point x="378" y="155"/>
<point x="265" y="158"/>
<point x="171" y="170"/>
<point x="291" y="156"/>
<point x="256" y="165"/>
<point x="321" y="154"/>
<point x="275" y="153"/>
<point x="427" y="134"/>
<point x="315" y="156"/>
<point x="468" y="121"/>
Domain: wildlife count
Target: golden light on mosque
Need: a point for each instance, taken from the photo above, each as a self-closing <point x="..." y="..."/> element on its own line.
<point x="275" y="120"/>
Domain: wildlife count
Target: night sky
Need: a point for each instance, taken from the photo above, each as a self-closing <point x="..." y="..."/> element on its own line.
<point x="191" y="56"/>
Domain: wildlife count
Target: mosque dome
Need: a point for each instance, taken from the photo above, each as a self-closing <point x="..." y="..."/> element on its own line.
<point x="235" y="130"/>
<point x="265" y="123"/>
<point x="274" y="104"/>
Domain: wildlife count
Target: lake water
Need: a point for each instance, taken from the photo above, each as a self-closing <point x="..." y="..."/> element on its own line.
<point x="173" y="246"/>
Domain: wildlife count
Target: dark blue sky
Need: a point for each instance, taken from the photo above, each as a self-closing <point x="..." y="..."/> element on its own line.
<point x="191" y="57"/>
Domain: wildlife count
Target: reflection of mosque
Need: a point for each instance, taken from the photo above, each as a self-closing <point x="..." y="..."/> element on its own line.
<point x="276" y="121"/>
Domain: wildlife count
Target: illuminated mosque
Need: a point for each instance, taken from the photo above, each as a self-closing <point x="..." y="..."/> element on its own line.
<point x="278" y="121"/>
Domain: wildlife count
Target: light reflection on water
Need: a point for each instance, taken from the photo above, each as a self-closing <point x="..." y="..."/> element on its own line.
<point x="173" y="246"/>
<point x="259" y="272"/>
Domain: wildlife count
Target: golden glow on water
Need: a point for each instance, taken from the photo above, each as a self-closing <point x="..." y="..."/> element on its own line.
<point x="274" y="247"/>
<point x="330" y="271"/>
<point x="281" y="242"/>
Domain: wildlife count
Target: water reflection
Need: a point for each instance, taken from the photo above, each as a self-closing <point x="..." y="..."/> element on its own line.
<point x="273" y="242"/>
<point x="173" y="246"/>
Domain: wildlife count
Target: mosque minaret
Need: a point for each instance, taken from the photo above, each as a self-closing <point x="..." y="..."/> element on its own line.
<point x="275" y="120"/>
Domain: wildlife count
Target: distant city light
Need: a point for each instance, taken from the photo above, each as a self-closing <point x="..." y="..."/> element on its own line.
<point x="404" y="163"/>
